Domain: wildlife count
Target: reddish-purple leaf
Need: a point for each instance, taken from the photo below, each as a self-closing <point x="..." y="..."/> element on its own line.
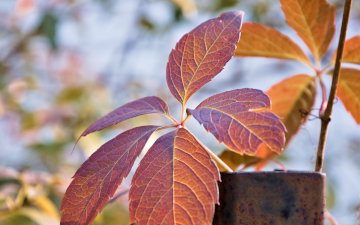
<point x="98" y="178"/>
<point x="239" y="119"/>
<point x="201" y="54"/>
<point x="147" y="105"/>
<point x="176" y="183"/>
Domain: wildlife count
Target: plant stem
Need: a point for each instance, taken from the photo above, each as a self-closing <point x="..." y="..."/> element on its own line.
<point x="330" y="218"/>
<point x="187" y="118"/>
<point x="218" y="160"/>
<point x="326" y="116"/>
<point x="213" y="155"/>
<point x="167" y="126"/>
<point x="171" y="118"/>
<point x="323" y="96"/>
<point x="183" y="108"/>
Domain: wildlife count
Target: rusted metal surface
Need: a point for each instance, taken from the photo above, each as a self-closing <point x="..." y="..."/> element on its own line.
<point x="271" y="198"/>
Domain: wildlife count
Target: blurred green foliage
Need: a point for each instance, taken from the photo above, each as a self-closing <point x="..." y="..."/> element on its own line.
<point x="48" y="28"/>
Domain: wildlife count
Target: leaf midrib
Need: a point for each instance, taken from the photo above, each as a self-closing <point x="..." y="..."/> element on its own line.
<point x="308" y="28"/>
<point x="202" y="60"/>
<point x="112" y="167"/>
<point x="233" y="118"/>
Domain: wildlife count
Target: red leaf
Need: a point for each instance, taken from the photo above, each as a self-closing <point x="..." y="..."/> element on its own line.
<point x="201" y="54"/>
<point x="98" y="178"/>
<point x="132" y="109"/>
<point x="238" y="118"/>
<point x="176" y="183"/>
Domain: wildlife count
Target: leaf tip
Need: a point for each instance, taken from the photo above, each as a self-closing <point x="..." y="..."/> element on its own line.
<point x="237" y="14"/>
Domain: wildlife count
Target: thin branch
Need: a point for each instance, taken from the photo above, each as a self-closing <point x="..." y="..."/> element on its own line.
<point x="183" y="108"/>
<point x="330" y="218"/>
<point x="323" y="70"/>
<point x="217" y="159"/>
<point x="326" y="117"/>
<point x="167" y="126"/>
<point x="188" y="116"/>
<point x="16" y="48"/>
<point x="171" y="118"/>
<point x="279" y="164"/>
<point x="324" y="101"/>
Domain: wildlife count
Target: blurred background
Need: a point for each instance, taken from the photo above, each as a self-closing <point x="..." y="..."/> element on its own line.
<point x="65" y="63"/>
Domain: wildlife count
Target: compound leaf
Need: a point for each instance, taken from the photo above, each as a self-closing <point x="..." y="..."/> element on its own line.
<point x="146" y="105"/>
<point x="351" y="53"/>
<point x="99" y="176"/>
<point x="241" y="120"/>
<point x="349" y="91"/>
<point x="313" y="21"/>
<point x="201" y="54"/>
<point x="259" y="40"/>
<point x="175" y="183"/>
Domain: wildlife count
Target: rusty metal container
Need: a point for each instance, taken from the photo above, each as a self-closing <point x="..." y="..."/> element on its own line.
<point x="271" y="198"/>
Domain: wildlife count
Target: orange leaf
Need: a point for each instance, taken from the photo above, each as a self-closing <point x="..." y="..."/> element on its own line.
<point x="263" y="41"/>
<point x="313" y="21"/>
<point x="201" y="54"/>
<point x="234" y="160"/>
<point x="175" y="183"/>
<point x="349" y="91"/>
<point x="240" y="120"/>
<point x="98" y="178"/>
<point x="351" y="53"/>
<point x="265" y="154"/>
<point x="292" y="100"/>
